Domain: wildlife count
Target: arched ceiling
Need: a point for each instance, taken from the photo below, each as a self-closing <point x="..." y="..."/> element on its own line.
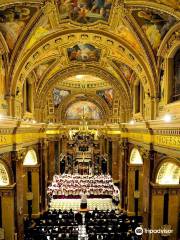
<point x="115" y="41"/>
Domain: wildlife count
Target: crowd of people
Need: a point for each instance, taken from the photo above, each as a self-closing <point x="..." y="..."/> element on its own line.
<point x="99" y="225"/>
<point x="76" y="185"/>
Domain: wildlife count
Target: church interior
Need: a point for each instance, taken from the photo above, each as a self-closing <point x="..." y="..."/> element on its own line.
<point x="89" y="119"/>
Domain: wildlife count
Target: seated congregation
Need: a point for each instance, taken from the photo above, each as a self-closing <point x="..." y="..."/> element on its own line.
<point x="66" y="225"/>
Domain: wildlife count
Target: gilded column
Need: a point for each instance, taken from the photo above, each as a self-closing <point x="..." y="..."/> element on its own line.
<point x="35" y="191"/>
<point x="8" y="211"/>
<point x="18" y="157"/>
<point x="115" y="162"/>
<point x="124" y="159"/>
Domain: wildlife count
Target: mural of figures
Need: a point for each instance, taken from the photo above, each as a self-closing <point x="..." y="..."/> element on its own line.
<point x="59" y="95"/>
<point x="84" y="11"/>
<point x="41" y="69"/>
<point x="125" y="69"/>
<point x="83" y="53"/>
<point x="107" y="95"/>
<point x="81" y="109"/>
<point x="154" y="24"/>
<point x="12" y="22"/>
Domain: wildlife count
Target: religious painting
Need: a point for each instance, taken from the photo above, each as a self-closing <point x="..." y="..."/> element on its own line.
<point x="59" y="95"/>
<point x="83" y="109"/>
<point x="84" y="53"/>
<point x="107" y="95"/>
<point x="84" y="11"/>
<point x="170" y="3"/>
<point x="125" y="70"/>
<point x="41" y="69"/>
<point x="155" y="25"/>
<point x="12" y="22"/>
<point x="125" y="34"/>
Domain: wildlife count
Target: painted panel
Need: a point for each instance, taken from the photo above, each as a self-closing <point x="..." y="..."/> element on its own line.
<point x="12" y="22"/>
<point x="84" y="11"/>
<point x="59" y="95"/>
<point x="84" y="53"/>
<point x="107" y="95"/>
<point x="155" y="25"/>
<point x="83" y="109"/>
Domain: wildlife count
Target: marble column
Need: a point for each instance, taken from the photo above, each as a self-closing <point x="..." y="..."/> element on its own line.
<point x="157" y="206"/>
<point x="124" y="159"/>
<point x="51" y="161"/>
<point x="35" y="191"/>
<point x="115" y="162"/>
<point x="18" y="157"/>
<point x="130" y="195"/>
<point x="8" y="211"/>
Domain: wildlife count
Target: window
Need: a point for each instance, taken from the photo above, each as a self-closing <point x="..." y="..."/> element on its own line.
<point x="28" y="97"/>
<point x="139" y="98"/>
<point x="176" y="77"/>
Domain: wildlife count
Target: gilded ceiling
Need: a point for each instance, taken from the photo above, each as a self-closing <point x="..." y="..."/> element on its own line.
<point x="113" y="42"/>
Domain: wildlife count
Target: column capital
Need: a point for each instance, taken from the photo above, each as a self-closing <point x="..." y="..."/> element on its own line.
<point x="7" y="190"/>
<point x="32" y="168"/>
<point x="18" y="155"/>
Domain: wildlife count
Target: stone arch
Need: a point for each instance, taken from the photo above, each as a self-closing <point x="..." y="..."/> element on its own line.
<point x="168" y="172"/>
<point x="30" y="158"/>
<point x="135" y="157"/>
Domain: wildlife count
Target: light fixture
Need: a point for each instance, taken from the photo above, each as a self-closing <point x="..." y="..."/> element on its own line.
<point x="79" y="77"/>
<point x="167" y="118"/>
<point x="132" y="122"/>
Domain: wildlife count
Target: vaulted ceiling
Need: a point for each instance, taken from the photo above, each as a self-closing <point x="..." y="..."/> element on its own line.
<point x="109" y="44"/>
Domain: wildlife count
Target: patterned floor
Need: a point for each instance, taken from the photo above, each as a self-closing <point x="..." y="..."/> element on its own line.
<point x="74" y="204"/>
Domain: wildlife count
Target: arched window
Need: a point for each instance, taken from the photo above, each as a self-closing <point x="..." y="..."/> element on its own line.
<point x="176" y="78"/>
<point x="135" y="157"/>
<point x="30" y="158"/>
<point x="4" y="178"/>
<point x="169" y="173"/>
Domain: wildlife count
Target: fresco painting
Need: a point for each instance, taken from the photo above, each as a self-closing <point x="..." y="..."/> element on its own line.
<point x="107" y="95"/>
<point x="84" y="11"/>
<point x="155" y="25"/>
<point x="84" y="53"/>
<point x="43" y="28"/>
<point x="81" y="109"/>
<point x="125" y="70"/>
<point x="41" y="69"/>
<point x="125" y="34"/>
<point x="12" y="22"/>
<point x="59" y="95"/>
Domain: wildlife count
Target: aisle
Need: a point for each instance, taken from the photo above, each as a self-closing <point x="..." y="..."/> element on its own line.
<point x="74" y="204"/>
<point x="82" y="235"/>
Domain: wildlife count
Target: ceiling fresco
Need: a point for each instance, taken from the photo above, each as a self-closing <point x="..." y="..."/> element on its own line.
<point x="84" y="11"/>
<point x="59" y="95"/>
<point x="84" y="53"/>
<point x="154" y="24"/>
<point x="13" y="21"/>
<point x="107" y="95"/>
